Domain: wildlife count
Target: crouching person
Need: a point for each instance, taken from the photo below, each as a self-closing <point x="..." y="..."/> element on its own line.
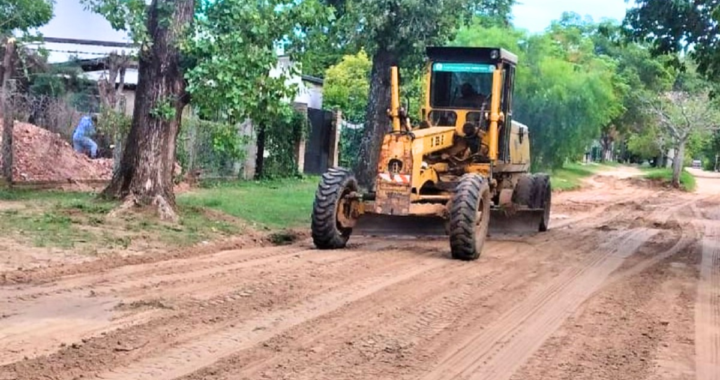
<point x="82" y="142"/>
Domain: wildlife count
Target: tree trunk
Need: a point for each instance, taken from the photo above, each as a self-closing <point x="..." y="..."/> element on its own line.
<point x="7" y="113"/>
<point x="678" y="162"/>
<point x="260" y="154"/>
<point x="145" y="176"/>
<point x="377" y="121"/>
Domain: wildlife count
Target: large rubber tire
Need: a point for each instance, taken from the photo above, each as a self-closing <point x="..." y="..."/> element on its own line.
<point x="523" y="192"/>
<point x="326" y="231"/>
<point x="543" y="191"/>
<point x="469" y="217"/>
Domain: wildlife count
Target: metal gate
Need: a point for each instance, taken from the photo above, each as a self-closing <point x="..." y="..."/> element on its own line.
<point x="317" y="146"/>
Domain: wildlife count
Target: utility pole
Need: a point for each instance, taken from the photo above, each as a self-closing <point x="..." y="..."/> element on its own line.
<point x="7" y="112"/>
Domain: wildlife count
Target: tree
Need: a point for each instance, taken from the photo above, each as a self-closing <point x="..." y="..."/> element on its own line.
<point x="110" y="96"/>
<point x="683" y="114"/>
<point x="15" y="15"/>
<point x="639" y="76"/>
<point x="220" y="55"/>
<point x="675" y="26"/>
<point x="396" y="33"/>
<point x="650" y="143"/>
<point x="24" y="15"/>
<point x="347" y="84"/>
<point x="7" y="111"/>
<point x="145" y="174"/>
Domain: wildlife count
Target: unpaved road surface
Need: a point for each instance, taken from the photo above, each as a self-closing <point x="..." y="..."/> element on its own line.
<point x="625" y="285"/>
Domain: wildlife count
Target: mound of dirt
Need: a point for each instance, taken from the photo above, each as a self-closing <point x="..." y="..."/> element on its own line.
<point x="43" y="156"/>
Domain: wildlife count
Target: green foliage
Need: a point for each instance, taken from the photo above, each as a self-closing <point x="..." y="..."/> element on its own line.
<point x="346" y="86"/>
<point x="23" y="15"/>
<point x="648" y="144"/>
<point x="710" y="150"/>
<point x="350" y="140"/>
<point x="113" y="123"/>
<point x="404" y="27"/>
<point x="234" y="52"/>
<point x="163" y="109"/>
<point x="281" y="138"/>
<point x="213" y="146"/>
<point x="674" y="26"/>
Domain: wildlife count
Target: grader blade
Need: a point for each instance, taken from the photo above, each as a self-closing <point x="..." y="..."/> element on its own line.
<point x="407" y="226"/>
<point x="524" y="222"/>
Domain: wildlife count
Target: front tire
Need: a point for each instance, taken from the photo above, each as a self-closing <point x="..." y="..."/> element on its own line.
<point x="469" y="217"/>
<point x="327" y="232"/>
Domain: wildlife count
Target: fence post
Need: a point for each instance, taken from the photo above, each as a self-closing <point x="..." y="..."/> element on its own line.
<point x="248" y="130"/>
<point x="300" y="144"/>
<point x="7" y="112"/>
<point x="335" y="139"/>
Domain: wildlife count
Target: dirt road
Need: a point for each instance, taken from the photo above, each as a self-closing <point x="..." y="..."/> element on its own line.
<point x="625" y="285"/>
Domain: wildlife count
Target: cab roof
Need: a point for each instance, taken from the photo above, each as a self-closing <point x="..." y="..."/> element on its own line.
<point x="470" y="54"/>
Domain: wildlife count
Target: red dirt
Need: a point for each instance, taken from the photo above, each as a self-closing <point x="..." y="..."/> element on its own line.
<point x="623" y="286"/>
<point x="44" y="156"/>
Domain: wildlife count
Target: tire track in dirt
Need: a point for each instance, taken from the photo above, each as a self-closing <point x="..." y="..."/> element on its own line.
<point x="688" y="236"/>
<point x="497" y="351"/>
<point x="152" y="274"/>
<point x="187" y="358"/>
<point x="39" y="326"/>
<point x="506" y="269"/>
<point x="707" y="308"/>
<point x="398" y="302"/>
<point x="397" y="318"/>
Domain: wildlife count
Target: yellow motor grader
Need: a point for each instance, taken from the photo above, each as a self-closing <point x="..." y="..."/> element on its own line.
<point x="462" y="172"/>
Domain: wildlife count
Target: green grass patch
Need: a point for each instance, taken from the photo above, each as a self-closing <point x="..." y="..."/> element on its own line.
<point x="571" y="175"/>
<point x="74" y="220"/>
<point x="51" y="218"/>
<point x="273" y="204"/>
<point x="687" y="180"/>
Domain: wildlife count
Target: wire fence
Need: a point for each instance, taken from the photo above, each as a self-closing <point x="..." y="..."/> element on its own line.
<point x="205" y="149"/>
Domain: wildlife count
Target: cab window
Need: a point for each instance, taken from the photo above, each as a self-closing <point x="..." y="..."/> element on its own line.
<point x="460" y="85"/>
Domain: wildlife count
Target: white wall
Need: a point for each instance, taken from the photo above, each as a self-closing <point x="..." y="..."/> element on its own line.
<point x="308" y="93"/>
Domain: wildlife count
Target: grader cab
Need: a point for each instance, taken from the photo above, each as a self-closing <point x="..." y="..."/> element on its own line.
<point x="463" y="171"/>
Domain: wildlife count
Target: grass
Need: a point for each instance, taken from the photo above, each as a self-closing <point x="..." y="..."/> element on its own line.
<point x="73" y="220"/>
<point x="51" y="218"/>
<point x="571" y="175"/>
<point x="78" y="221"/>
<point x="687" y="180"/>
<point x="276" y="204"/>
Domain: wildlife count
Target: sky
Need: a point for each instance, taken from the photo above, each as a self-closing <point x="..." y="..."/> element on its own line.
<point x="71" y="20"/>
<point x="536" y="15"/>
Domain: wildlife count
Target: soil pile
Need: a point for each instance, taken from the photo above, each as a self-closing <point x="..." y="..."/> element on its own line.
<point x="44" y="156"/>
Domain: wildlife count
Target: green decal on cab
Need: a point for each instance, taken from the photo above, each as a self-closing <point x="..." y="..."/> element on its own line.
<point x="463" y="67"/>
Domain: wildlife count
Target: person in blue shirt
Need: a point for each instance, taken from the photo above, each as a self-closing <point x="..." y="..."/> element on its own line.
<point x="81" y="137"/>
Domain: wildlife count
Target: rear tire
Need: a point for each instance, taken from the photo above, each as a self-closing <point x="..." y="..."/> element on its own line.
<point x="543" y="191"/>
<point x="523" y="192"/>
<point x="327" y="233"/>
<point x="469" y="217"/>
